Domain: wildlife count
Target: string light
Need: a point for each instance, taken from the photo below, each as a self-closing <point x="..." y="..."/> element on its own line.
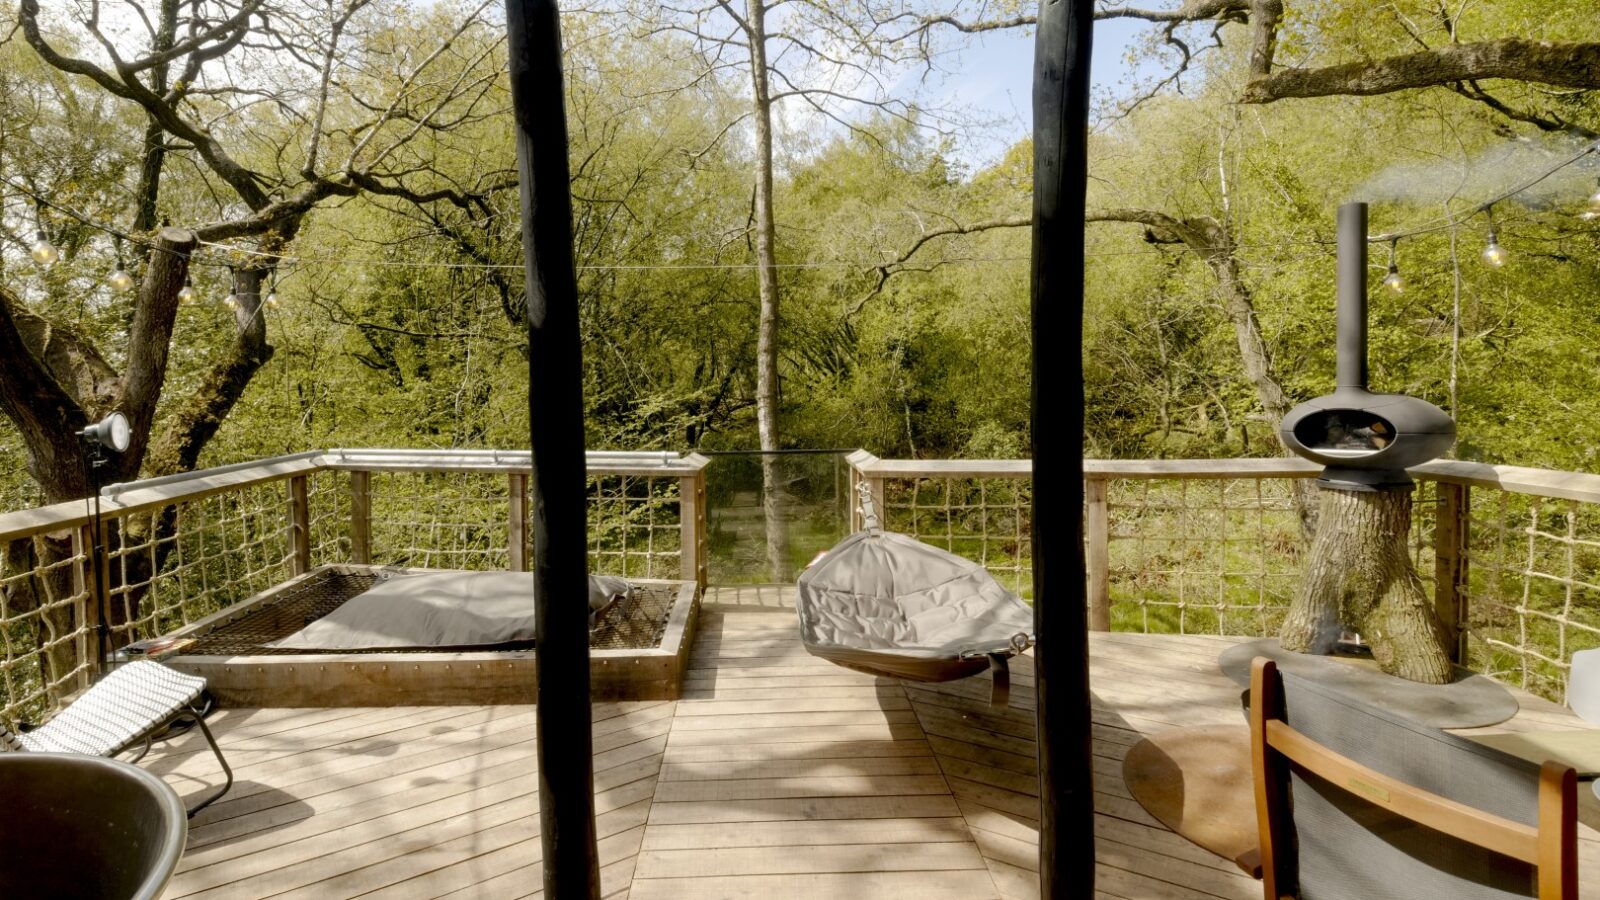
<point x="1393" y="281"/>
<point x="188" y="294"/>
<point x="43" y="252"/>
<point x="119" y="279"/>
<point x="272" y="292"/>
<point x="231" y="301"/>
<point x="1493" y="254"/>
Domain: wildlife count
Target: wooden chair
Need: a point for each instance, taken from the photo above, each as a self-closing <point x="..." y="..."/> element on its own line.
<point x="1354" y="802"/>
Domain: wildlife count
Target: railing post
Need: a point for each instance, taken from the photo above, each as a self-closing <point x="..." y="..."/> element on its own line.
<point x="1452" y="533"/>
<point x="517" y="526"/>
<point x="88" y="594"/>
<point x="1097" y="537"/>
<point x="858" y="462"/>
<point x="360" y="517"/>
<point x="299" y="526"/>
<point x="692" y="527"/>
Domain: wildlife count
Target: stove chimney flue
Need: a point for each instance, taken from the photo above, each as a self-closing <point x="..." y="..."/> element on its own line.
<point x="1352" y="313"/>
<point x="1365" y="441"/>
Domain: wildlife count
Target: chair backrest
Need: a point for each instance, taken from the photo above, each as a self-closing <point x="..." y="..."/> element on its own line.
<point x="1354" y="802"/>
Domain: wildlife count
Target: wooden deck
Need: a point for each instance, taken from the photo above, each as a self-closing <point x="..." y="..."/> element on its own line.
<point x="776" y="776"/>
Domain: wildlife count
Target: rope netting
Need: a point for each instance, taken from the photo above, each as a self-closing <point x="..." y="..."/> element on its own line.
<point x="1207" y="556"/>
<point x="634" y="526"/>
<point x="441" y="520"/>
<point x="1533" y="588"/>
<point x="987" y="520"/>
<point x="43" y="629"/>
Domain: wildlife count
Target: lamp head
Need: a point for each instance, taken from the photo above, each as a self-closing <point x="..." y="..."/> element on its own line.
<point x="111" y="433"/>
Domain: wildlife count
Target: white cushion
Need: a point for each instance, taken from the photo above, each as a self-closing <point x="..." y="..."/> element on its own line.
<point x="1583" y="685"/>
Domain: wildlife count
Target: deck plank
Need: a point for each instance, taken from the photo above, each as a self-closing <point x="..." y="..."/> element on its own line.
<point x="777" y="775"/>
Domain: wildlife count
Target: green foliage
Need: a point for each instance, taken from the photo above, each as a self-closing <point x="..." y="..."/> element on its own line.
<point x="421" y="345"/>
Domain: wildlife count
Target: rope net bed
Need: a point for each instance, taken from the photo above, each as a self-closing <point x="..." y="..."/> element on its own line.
<point x="637" y="621"/>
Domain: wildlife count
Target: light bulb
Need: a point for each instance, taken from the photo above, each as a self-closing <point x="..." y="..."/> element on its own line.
<point x="188" y="294"/>
<point x="43" y="252"/>
<point x="1494" y="254"/>
<point x="1393" y="281"/>
<point x="231" y="301"/>
<point x="120" y="280"/>
<point x="272" y="300"/>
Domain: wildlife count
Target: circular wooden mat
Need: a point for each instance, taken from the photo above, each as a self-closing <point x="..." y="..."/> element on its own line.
<point x="1197" y="782"/>
<point x="1471" y="701"/>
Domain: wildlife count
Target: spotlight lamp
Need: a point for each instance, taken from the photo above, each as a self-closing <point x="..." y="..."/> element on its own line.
<point x="111" y="433"/>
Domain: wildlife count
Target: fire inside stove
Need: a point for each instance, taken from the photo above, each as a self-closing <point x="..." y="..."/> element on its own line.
<point x="1347" y="433"/>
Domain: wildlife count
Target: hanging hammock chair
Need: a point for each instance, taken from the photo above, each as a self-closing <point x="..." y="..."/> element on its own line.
<point x="887" y="604"/>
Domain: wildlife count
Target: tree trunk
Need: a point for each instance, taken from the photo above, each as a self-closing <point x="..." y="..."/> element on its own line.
<point x="1359" y="576"/>
<point x="767" y="285"/>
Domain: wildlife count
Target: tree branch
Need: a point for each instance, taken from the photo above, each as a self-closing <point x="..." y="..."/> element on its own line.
<point x="1571" y="65"/>
<point x="150" y="337"/>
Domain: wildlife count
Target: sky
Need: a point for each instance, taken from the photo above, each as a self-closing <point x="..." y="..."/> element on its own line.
<point x="995" y="76"/>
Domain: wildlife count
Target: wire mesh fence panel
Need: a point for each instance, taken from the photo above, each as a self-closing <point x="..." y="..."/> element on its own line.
<point x="987" y="520"/>
<point x="441" y="520"/>
<point x="1533" y="590"/>
<point x="44" y="625"/>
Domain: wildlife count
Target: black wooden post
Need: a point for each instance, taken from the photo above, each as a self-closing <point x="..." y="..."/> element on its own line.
<point x="555" y="420"/>
<point x="1060" y="607"/>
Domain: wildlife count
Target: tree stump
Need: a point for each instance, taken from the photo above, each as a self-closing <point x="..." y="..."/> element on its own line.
<point x="1359" y="576"/>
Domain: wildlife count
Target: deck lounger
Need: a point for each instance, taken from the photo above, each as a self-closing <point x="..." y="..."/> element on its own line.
<point x="888" y="604"/>
<point x="1355" y="803"/>
<point x="128" y="707"/>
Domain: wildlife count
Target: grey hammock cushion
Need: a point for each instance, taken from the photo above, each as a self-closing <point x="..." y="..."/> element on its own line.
<point x="447" y="609"/>
<point x="889" y="594"/>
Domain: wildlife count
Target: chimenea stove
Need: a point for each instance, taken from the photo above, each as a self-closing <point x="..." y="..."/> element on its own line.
<point x="1365" y="441"/>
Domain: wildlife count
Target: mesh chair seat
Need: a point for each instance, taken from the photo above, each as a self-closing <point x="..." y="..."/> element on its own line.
<point x="121" y="708"/>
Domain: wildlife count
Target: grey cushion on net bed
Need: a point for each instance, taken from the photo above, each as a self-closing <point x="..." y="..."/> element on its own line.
<point x="448" y="609"/>
<point x="1349" y="849"/>
<point x="885" y="602"/>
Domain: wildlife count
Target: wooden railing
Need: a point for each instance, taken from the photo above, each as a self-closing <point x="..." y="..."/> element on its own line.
<point x="181" y="547"/>
<point x="1214" y="546"/>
